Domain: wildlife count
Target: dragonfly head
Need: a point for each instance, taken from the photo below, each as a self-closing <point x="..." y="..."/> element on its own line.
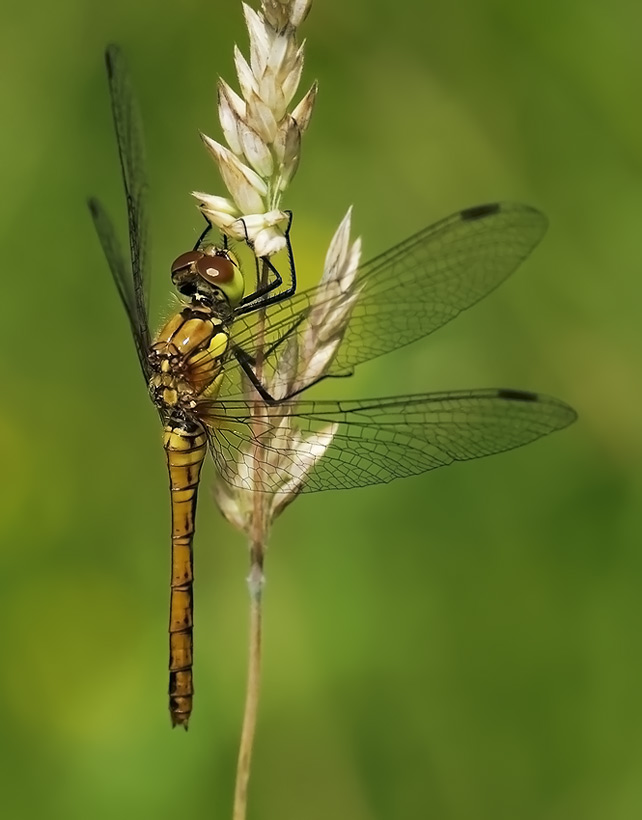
<point x="209" y="275"/>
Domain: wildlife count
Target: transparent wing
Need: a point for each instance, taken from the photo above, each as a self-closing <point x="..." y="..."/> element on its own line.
<point x="337" y="444"/>
<point x="132" y="280"/>
<point x="403" y="294"/>
<point x="129" y="135"/>
<point x="121" y="272"/>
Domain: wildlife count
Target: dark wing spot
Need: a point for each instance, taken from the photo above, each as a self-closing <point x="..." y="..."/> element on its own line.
<point x="479" y="211"/>
<point x="517" y="395"/>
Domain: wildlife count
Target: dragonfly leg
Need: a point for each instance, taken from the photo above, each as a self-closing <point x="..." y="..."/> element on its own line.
<point x="248" y="363"/>
<point x="249" y="302"/>
<point x="270" y="350"/>
<point x="208" y="228"/>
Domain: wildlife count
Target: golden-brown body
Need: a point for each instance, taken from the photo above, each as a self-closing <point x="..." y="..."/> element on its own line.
<point x="186" y="364"/>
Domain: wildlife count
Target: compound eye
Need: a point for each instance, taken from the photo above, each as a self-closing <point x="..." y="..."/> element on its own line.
<point x="217" y="270"/>
<point x="185" y="260"/>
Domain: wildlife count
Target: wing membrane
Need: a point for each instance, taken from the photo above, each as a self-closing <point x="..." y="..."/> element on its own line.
<point x="121" y="272"/>
<point x="344" y="444"/>
<point x="407" y="292"/>
<point x="129" y="135"/>
<point x="132" y="280"/>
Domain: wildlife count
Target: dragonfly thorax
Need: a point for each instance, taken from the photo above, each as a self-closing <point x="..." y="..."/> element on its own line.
<point x="186" y="358"/>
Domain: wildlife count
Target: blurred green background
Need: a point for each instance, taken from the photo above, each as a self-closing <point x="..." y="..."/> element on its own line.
<point x="465" y="645"/>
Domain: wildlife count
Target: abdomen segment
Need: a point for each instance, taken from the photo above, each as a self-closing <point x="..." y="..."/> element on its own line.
<point x="185" y="446"/>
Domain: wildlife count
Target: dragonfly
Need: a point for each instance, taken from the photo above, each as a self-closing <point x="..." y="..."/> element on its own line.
<point x="206" y="369"/>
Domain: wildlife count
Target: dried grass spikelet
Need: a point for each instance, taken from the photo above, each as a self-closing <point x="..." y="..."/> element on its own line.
<point x="264" y="138"/>
<point x="263" y="149"/>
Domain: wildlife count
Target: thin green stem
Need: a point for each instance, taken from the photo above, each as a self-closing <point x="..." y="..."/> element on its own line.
<point x="255" y="583"/>
<point x="258" y="534"/>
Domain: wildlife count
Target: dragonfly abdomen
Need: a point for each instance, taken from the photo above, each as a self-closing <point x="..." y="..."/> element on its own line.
<point x="186" y="445"/>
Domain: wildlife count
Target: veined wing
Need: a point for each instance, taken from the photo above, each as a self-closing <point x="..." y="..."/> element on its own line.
<point x="403" y="294"/>
<point x="343" y="444"/>
<point x="132" y="279"/>
<point x="121" y="272"/>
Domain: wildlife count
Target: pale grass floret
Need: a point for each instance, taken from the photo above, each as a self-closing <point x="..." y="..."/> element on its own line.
<point x="286" y="454"/>
<point x="264" y="138"/>
<point x="282" y="12"/>
<point x="307" y="358"/>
